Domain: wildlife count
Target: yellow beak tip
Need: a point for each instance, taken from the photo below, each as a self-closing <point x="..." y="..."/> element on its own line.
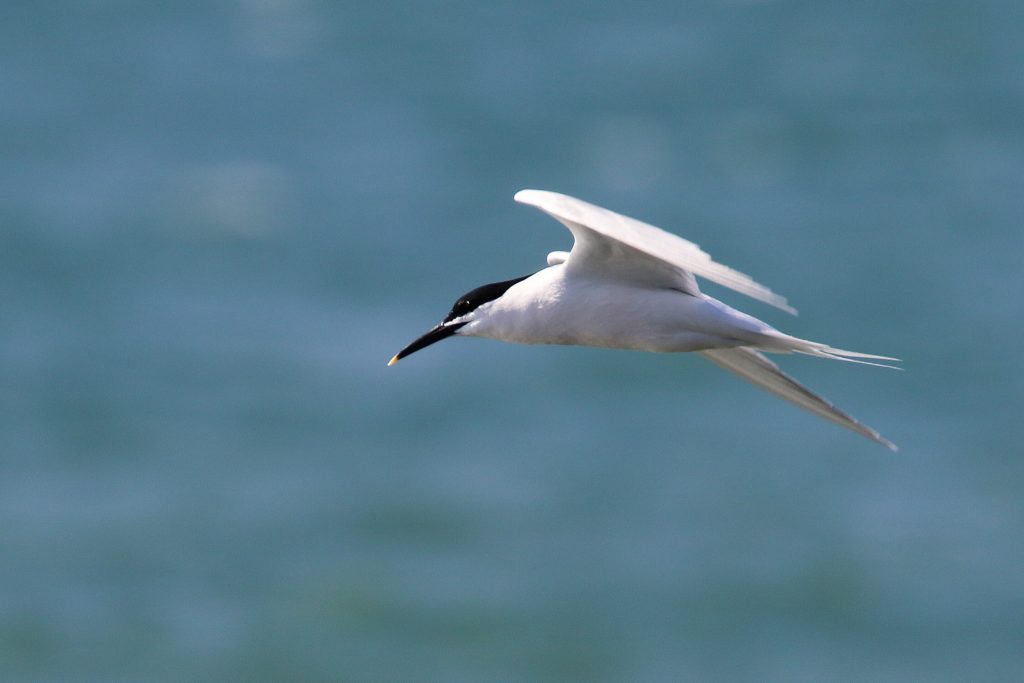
<point x="393" y="360"/>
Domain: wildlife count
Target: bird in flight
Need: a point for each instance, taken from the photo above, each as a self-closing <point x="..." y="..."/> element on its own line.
<point x="630" y="285"/>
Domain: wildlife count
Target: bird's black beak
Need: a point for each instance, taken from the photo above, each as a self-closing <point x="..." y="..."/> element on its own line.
<point x="436" y="334"/>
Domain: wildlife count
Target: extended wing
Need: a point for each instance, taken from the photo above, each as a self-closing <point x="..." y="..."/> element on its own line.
<point x="624" y="247"/>
<point x="752" y="366"/>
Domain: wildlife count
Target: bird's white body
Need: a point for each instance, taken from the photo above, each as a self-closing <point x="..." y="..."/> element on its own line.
<point x="630" y="285"/>
<point x="556" y="306"/>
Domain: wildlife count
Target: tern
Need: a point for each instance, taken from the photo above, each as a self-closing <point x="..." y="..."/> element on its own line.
<point x="629" y="285"/>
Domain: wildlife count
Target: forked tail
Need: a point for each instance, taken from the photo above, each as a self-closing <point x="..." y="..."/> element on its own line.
<point x="778" y="342"/>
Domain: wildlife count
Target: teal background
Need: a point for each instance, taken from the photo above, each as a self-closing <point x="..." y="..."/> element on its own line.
<point x="218" y="220"/>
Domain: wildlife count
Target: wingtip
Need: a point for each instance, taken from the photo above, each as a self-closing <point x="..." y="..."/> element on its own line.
<point x="544" y="199"/>
<point x="879" y="439"/>
<point x="526" y="196"/>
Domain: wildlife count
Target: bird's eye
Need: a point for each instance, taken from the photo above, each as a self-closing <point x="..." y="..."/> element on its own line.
<point x="461" y="308"/>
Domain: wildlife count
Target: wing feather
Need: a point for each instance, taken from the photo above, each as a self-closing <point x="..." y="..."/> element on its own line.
<point x="607" y="240"/>
<point x="752" y="366"/>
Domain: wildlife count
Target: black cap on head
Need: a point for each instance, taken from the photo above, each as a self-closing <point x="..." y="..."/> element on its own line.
<point x="464" y="305"/>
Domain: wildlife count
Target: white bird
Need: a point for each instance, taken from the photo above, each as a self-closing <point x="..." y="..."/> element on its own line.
<point x="630" y="285"/>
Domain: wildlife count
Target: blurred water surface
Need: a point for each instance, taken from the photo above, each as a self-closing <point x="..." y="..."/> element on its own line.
<point x="218" y="220"/>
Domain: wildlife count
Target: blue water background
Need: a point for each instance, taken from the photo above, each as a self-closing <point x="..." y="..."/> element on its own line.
<point x="218" y="220"/>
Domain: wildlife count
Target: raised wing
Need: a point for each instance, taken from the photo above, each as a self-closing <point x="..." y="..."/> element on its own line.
<point x="625" y="247"/>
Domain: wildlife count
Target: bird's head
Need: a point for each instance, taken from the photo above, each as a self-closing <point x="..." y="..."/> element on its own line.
<point x="468" y="308"/>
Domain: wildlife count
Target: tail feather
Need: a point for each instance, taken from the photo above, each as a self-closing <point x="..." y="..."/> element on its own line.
<point x="754" y="367"/>
<point x="850" y="357"/>
<point x="784" y="343"/>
